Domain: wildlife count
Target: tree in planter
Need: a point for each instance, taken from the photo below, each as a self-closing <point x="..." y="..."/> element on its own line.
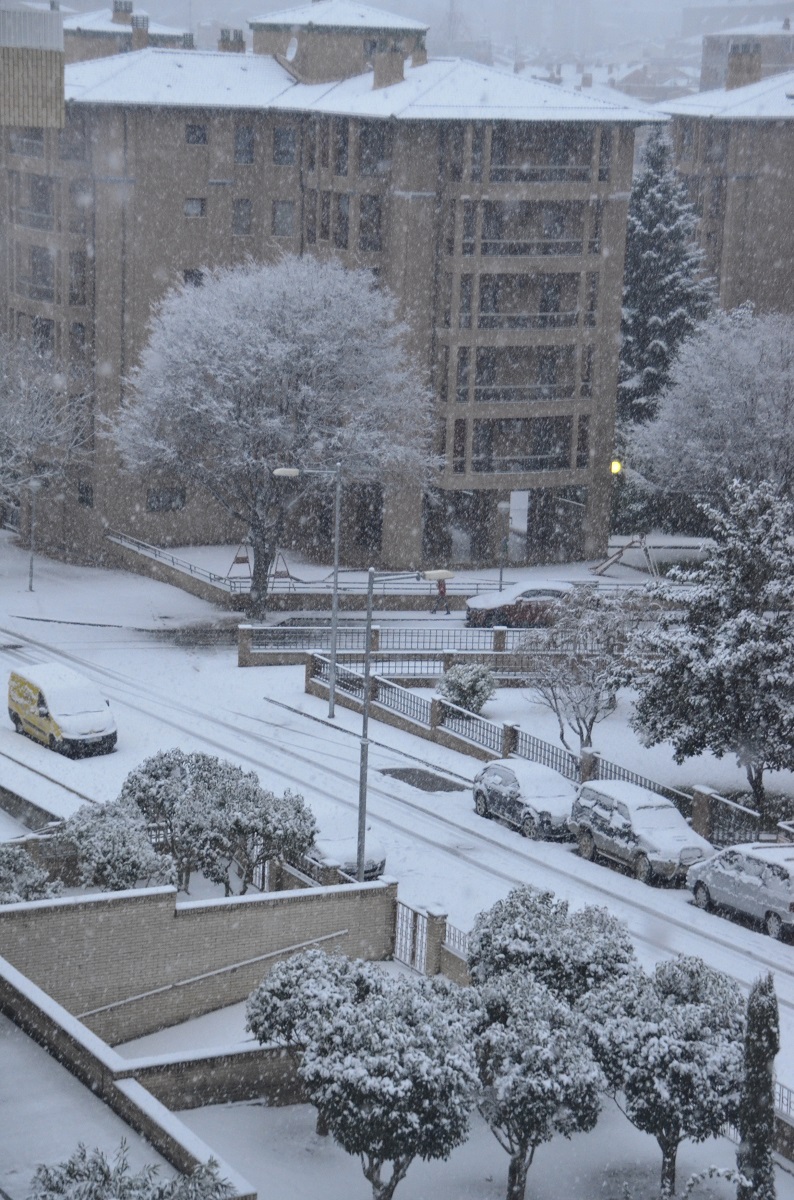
<point x="664" y="294"/>
<point x="670" y="1045"/>
<point x="715" y="671"/>
<point x="21" y="880"/>
<point x="113" y="848"/>
<point x="538" y="1076"/>
<point x="36" y="419"/>
<point x="572" y="954"/>
<point x="299" y="363"/>
<point x="394" y="1077"/>
<point x="754" y="1157"/>
<point x="469" y="687"/>
<point x="726" y="412"/>
<point x="578" y="674"/>
<point x="90" y="1174"/>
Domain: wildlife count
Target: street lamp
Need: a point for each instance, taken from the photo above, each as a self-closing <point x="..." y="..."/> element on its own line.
<point x="336" y="474"/>
<point x="34" y="485"/>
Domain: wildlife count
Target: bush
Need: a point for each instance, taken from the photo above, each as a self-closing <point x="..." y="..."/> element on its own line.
<point x="21" y="880"/>
<point x="467" y="687"/>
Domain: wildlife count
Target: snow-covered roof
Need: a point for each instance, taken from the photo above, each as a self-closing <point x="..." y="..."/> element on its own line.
<point x="337" y="14"/>
<point x="769" y="100"/>
<point x="102" y="21"/>
<point x="49" y="675"/>
<point x="439" y="89"/>
<point x="630" y="794"/>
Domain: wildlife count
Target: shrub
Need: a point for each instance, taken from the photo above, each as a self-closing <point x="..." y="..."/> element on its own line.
<point x="467" y="687"/>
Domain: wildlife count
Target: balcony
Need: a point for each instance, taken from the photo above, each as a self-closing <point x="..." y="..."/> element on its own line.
<point x="36" y="289"/>
<point x="33" y="218"/>
<point x="488" y="465"/>
<point x="540" y="173"/>
<point x="503" y="247"/>
<point x="527" y="320"/>
<point x="519" y="393"/>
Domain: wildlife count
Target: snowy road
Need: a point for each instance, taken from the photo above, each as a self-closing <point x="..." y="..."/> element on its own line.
<point x="444" y="856"/>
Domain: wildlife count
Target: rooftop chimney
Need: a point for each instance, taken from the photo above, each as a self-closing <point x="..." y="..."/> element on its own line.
<point x="388" y="66"/>
<point x="122" y="12"/>
<point x="787" y="23"/>
<point x="744" y="64"/>
<point x="232" y="40"/>
<point x="140" y="32"/>
<point x="419" y="53"/>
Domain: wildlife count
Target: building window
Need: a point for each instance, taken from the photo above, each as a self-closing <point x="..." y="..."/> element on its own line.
<point x="342" y="222"/>
<point x="369" y="232"/>
<point x="311" y="147"/>
<point x="325" y="216"/>
<point x="72" y="140"/>
<point x="374" y="149"/>
<point x="285" y="147"/>
<point x="43" y="335"/>
<point x="81" y="202"/>
<point x="477" y="151"/>
<point x="196" y="135"/>
<point x="446" y="300"/>
<point x="588" y="370"/>
<point x="78" y="271"/>
<point x="465" y="301"/>
<point x="462" y="384"/>
<point x="340" y="128"/>
<point x="29" y="142"/>
<point x="311" y="216"/>
<point x="41" y="283"/>
<point x="596" y="226"/>
<point x="34" y="206"/>
<point x="324" y="142"/>
<point x="244" y="145"/>
<point x="459" y="447"/>
<point x="469" y="226"/>
<point x="195" y="206"/>
<point x="78" y="350"/>
<point x="605" y="155"/>
<point x="283" y="218"/>
<point x="592" y="297"/>
<point x="450" y="150"/>
<point x="193" y="276"/>
<point x="165" y="499"/>
<point x="85" y="493"/>
<point x="242" y="216"/>
<point x="583" y="443"/>
<point x="687" y="140"/>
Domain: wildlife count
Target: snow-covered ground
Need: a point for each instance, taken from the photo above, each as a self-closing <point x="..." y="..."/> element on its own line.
<point x="443" y="855"/>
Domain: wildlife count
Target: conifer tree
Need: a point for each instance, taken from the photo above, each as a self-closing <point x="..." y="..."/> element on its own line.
<point x="664" y="294"/>
<point x="757" y="1106"/>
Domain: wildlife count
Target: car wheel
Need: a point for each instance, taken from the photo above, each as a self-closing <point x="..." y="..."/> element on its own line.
<point x="586" y="845"/>
<point x="773" y="925"/>
<point x="54" y="744"/>
<point x="702" y="896"/>
<point x="642" y="869"/>
<point x="16" y="722"/>
<point x="529" y="828"/>
<point x="481" y="805"/>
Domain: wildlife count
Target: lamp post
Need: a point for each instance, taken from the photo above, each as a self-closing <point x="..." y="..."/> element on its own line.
<point x="336" y="474"/>
<point x="364" y="757"/>
<point x="34" y="485"/>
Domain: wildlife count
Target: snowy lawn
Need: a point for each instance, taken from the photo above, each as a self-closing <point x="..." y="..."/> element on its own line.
<point x="278" y="1150"/>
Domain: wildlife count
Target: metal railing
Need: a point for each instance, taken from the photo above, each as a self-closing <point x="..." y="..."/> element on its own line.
<point x="543" y="173"/>
<point x="401" y="700"/>
<point x="524" y="320"/>
<point x="471" y="726"/>
<point x="457" y="940"/>
<point x="410" y="937"/>
<point x="510" y="247"/>
<point x="226" y="582"/>
<point x="549" y="755"/>
<point x="732" y="823"/>
<point x="610" y="770"/>
<point x="421" y="638"/>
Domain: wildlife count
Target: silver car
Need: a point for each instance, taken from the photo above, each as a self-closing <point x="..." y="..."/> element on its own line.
<point x="533" y="798"/>
<point x="638" y="828"/>
<point x="756" y="880"/>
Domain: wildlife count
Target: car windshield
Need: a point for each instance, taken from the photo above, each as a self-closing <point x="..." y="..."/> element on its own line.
<point x="70" y="702"/>
<point x="658" y="816"/>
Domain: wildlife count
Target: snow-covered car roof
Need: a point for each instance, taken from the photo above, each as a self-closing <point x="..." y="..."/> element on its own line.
<point x="343" y="852"/>
<point x="630" y="794"/>
<point x="773" y="852"/>
<point x="535" y="780"/>
<point x="47" y="676"/>
<point x="516" y="591"/>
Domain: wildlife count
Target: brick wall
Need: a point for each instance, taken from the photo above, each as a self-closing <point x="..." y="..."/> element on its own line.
<point x="130" y="963"/>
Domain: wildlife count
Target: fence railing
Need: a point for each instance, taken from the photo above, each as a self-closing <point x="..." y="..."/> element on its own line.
<point x="610" y="770"/>
<point x="410" y="937"/>
<point x="539" y="751"/>
<point x="311" y="637"/>
<point x="456" y="939"/>
<point x="732" y="822"/>
<point x="471" y="726"/>
<point x="401" y="700"/>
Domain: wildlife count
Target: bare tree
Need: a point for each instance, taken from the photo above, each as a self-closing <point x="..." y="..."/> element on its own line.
<point x="297" y="364"/>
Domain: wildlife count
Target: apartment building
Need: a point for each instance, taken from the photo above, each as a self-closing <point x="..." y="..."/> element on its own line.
<point x="116" y="30"/>
<point x="494" y="207"/>
<point x="734" y="148"/>
<point x="772" y="40"/>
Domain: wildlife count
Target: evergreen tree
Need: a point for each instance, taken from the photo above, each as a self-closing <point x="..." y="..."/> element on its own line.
<point x="716" y="672"/>
<point x="664" y="295"/>
<point x="757" y="1106"/>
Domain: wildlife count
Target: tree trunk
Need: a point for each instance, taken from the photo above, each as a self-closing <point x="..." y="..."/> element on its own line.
<point x="263" y="547"/>
<point x="755" y="778"/>
<point x="384" y="1189"/>
<point x="517" y="1177"/>
<point x="321" y="1128"/>
<point x="669" y="1153"/>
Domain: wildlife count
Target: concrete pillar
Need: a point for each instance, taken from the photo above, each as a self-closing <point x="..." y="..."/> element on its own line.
<point x="244" y="645"/>
<point x="436" y="713"/>
<point x="589" y="765"/>
<point x="703" y="811"/>
<point x="374" y="641"/>
<point x="509" y="740"/>
<point x="436" y="933"/>
<point x="401" y="539"/>
<point x="499" y="644"/>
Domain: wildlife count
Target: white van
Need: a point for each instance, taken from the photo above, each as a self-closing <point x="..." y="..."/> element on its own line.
<point x="756" y="880"/>
<point x="61" y="709"/>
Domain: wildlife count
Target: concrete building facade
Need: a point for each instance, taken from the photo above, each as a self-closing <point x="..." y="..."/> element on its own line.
<point x="493" y="207"/>
<point x="734" y="148"/>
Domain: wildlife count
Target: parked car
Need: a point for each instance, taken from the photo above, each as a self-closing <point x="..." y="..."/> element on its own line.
<point x="60" y="708"/>
<point x="343" y="853"/>
<point x="535" y="799"/>
<point x="755" y="880"/>
<point x="519" y="606"/>
<point x="633" y="826"/>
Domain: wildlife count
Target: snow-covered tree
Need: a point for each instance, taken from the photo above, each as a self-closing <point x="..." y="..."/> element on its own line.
<point x="728" y="410"/>
<point x="394" y="1077"/>
<point x="573" y="954"/>
<point x="670" y="1044"/>
<point x="579" y="669"/>
<point x="664" y="294"/>
<point x="89" y="1173"/>
<point x="21" y="879"/>
<point x="301" y="364"/>
<point x="755" y="1156"/>
<point x="211" y="815"/>
<point x="284" y="1008"/>
<point x="40" y="429"/>
<point x="113" y="848"/>
<point x="716" y="672"/>
<point x="467" y="686"/>
<point x="538" y="1076"/>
